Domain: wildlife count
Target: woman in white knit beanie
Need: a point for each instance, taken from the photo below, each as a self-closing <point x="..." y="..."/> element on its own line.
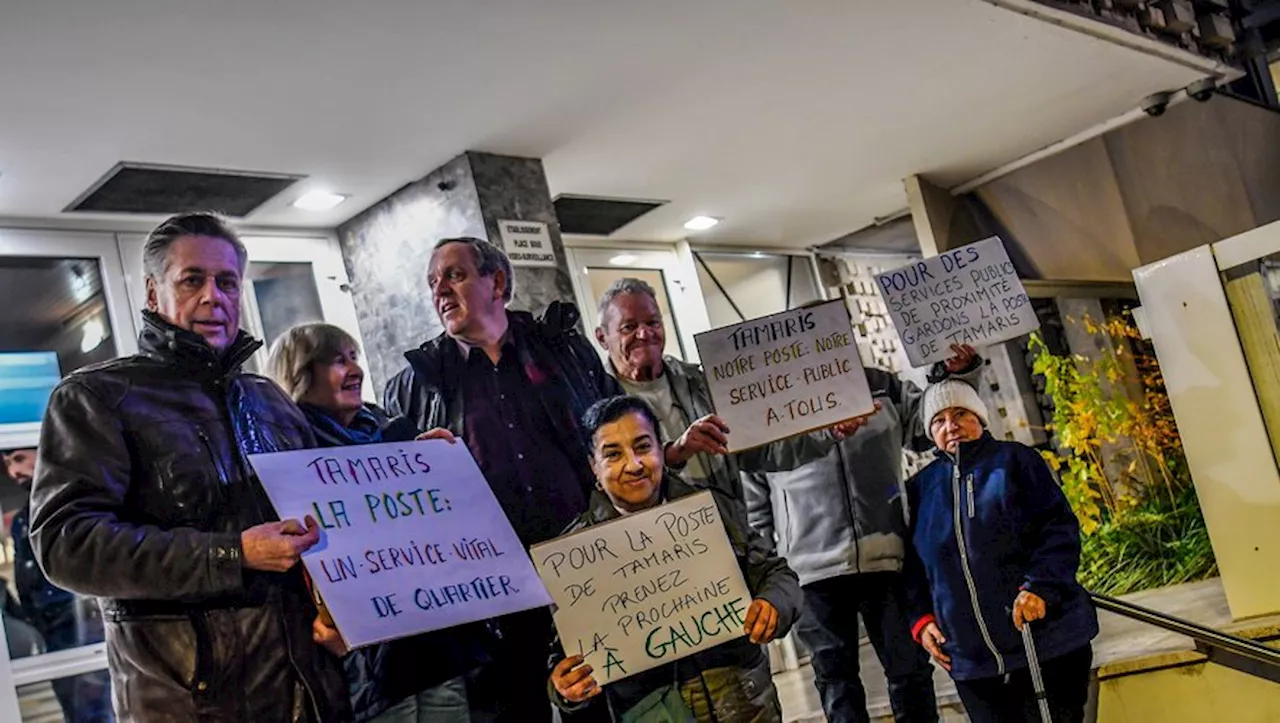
<point x="955" y="407"/>
<point x="994" y="546"/>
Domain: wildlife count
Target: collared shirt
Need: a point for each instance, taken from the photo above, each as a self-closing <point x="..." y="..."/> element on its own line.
<point x="512" y="433"/>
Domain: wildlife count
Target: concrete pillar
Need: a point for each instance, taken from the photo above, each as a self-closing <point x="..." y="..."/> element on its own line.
<point x="1223" y="433"/>
<point x="387" y="247"/>
<point x="1015" y="413"/>
<point x="1092" y="348"/>
<point x="941" y="224"/>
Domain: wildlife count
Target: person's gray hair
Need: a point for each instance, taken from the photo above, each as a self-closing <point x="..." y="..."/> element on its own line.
<point x="294" y="354"/>
<point x="489" y="259"/>
<point x="625" y="285"/>
<point x="155" y="252"/>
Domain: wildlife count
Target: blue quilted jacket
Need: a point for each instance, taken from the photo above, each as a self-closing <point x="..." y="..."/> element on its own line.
<point x="987" y="523"/>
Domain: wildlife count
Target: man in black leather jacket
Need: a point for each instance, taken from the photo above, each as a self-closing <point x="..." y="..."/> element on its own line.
<point x="143" y="497"/>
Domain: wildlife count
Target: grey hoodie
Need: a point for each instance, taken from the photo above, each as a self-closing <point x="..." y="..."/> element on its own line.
<point x="843" y="514"/>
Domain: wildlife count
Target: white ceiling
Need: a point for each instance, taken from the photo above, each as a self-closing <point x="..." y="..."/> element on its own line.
<point x="794" y="121"/>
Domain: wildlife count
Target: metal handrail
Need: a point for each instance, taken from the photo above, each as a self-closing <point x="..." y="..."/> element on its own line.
<point x="1232" y="651"/>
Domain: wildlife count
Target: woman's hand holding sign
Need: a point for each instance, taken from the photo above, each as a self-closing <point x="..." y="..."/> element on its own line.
<point x="327" y="637"/>
<point x="762" y="621"/>
<point x="574" y="684"/>
<point x="437" y="433"/>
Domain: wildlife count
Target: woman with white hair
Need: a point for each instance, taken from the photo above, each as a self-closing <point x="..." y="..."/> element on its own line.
<point x="994" y="546"/>
<point x="406" y="680"/>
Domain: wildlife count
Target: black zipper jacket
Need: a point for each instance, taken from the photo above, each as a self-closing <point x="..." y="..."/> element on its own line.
<point x="142" y="489"/>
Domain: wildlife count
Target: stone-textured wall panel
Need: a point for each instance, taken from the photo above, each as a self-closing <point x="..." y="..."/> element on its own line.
<point x="386" y="250"/>
<point x="513" y="188"/>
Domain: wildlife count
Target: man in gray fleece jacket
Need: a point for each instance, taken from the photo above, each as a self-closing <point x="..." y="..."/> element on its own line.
<point x="840" y="524"/>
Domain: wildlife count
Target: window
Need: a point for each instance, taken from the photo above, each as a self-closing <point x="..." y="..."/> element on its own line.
<point x="277" y="296"/>
<point x="740" y="286"/>
<point x="54" y="321"/>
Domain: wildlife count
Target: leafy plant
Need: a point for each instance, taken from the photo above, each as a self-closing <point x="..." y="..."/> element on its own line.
<point x="1121" y="463"/>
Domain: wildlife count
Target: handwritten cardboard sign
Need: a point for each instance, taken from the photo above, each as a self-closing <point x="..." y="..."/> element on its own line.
<point x="413" y="538"/>
<point x="785" y="374"/>
<point x="645" y="589"/>
<point x="527" y="243"/>
<point x="971" y="295"/>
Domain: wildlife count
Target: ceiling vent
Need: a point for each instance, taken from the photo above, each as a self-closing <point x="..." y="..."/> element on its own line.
<point x="593" y="216"/>
<point x="160" y="190"/>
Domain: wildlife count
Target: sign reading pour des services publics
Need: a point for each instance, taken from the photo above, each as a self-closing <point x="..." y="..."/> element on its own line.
<point x="527" y="243"/>
<point x="645" y="589"/>
<point x="413" y="539"/>
<point x="785" y="374"/>
<point x="971" y="295"/>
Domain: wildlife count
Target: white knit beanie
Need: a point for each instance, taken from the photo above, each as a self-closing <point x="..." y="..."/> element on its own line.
<point x="952" y="393"/>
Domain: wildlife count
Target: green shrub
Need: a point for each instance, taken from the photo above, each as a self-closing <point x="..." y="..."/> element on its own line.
<point x="1151" y="545"/>
<point x="1122" y="467"/>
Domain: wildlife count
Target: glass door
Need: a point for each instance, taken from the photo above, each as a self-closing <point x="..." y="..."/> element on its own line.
<point x="289" y="281"/>
<point x="683" y="311"/>
<point x="70" y="300"/>
<point x="64" y="307"/>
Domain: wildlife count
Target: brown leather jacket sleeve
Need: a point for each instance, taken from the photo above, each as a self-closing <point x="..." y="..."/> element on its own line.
<point x="80" y="529"/>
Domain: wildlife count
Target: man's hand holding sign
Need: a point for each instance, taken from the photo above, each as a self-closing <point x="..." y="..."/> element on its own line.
<point x="710" y="435"/>
<point x="277" y="546"/>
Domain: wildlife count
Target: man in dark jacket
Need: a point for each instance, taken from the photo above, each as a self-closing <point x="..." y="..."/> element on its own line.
<point x="143" y="497"/>
<point x="513" y="388"/>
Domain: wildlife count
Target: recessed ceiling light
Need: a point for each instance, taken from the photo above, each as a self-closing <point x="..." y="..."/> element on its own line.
<point x="623" y="260"/>
<point x="700" y="223"/>
<point x="319" y="201"/>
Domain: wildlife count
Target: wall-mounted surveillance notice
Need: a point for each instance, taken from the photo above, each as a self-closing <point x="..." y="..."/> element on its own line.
<point x="527" y="243"/>
<point x="970" y="295"/>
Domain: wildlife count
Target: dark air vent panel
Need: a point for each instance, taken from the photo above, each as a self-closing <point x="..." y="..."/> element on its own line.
<point x="151" y="189"/>
<point x="591" y="216"/>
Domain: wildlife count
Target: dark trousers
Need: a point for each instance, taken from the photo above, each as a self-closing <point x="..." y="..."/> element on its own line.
<point x="84" y="698"/>
<point x="828" y="626"/>
<point x="513" y="687"/>
<point x="1011" y="698"/>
